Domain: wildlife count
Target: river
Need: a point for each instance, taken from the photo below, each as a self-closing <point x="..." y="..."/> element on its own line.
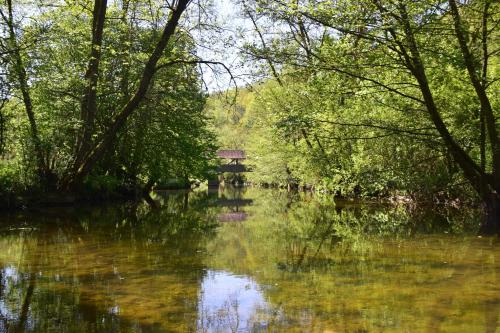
<point x="247" y="260"/>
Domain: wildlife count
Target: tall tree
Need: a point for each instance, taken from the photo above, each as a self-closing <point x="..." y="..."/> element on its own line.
<point x="89" y="101"/>
<point x="109" y="136"/>
<point x="19" y="72"/>
<point x="403" y="49"/>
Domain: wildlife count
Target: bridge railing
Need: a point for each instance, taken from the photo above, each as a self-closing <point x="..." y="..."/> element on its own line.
<point x="234" y="168"/>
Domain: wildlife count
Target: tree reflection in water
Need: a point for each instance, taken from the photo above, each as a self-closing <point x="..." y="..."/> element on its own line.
<point x="297" y="263"/>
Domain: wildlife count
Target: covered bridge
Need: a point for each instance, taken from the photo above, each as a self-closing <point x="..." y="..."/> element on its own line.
<point x="234" y="165"/>
<point x="232" y="154"/>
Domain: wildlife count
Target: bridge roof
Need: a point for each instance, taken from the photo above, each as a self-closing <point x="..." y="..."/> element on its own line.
<point x="231" y="154"/>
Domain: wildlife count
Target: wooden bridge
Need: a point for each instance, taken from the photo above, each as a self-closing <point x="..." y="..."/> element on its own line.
<point x="234" y="164"/>
<point x="235" y="157"/>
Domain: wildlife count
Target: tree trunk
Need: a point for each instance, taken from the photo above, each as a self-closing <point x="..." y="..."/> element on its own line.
<point x="89" y="100"/>
<point x="22" y="80"/>
<point x="109" y="137"/>
<point x="2" y="132"/>
<point x="481" y="181"/>
<point x="491" y="224"/>
<point x="125" y="42"/>
<point x="478" y="84"/>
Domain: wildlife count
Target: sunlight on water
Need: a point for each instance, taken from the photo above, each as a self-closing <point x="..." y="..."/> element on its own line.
<point x="240" y="261"/>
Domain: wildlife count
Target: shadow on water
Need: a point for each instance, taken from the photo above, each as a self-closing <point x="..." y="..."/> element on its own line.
<point x="285" y="262"/>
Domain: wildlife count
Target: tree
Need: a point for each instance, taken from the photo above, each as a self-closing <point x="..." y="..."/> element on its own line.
<point x="99" y="92"/>
<point x="18" y="72"/>
<point x="4" y="93"/>
<point x="83" y="165"/>
<point x="405" y="53"/>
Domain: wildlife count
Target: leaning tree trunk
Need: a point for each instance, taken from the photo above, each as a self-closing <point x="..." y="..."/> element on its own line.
<point x="484" y="183"/>
<point x="478" y="78"/>
<point x="22" y="81"/>
<point x="108" y="139"/>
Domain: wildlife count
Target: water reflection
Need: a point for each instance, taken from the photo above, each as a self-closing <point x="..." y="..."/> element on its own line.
<point x="7" y="275"/>
<point x="232" y="200"/>
<point x="230" y="303"/>
<point x="299" y="263"/>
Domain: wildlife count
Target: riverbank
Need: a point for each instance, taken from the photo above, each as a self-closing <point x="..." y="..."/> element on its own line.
<point x="416" y="199"/>
<point x="37" y="198"/>
<point x="10" y="201"/>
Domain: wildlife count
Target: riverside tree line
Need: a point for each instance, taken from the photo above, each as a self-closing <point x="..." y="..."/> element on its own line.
<point x="373" y="98"/>
<point x="360" y="97"/>
<point x="99" y="94"/>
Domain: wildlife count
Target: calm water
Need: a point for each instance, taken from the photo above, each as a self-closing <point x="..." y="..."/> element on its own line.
<point x="260" y="260"/>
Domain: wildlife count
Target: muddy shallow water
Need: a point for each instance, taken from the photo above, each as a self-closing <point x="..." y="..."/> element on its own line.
<point x="246" y="261"/>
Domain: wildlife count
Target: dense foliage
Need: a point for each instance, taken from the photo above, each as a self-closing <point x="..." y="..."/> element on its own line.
<point x="367" y="155"/>
<point x="81" y="110"/>
<point x="375" y="97"/>
<point x="366" y="98"/>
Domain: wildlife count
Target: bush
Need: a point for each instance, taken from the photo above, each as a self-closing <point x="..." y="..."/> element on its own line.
<point x="10" y="184"/>
<point x="101" y="186"/>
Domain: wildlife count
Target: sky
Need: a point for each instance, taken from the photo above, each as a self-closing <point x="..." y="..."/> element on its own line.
<point x="225" y="47"/>
<point x="220" y="46"/>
